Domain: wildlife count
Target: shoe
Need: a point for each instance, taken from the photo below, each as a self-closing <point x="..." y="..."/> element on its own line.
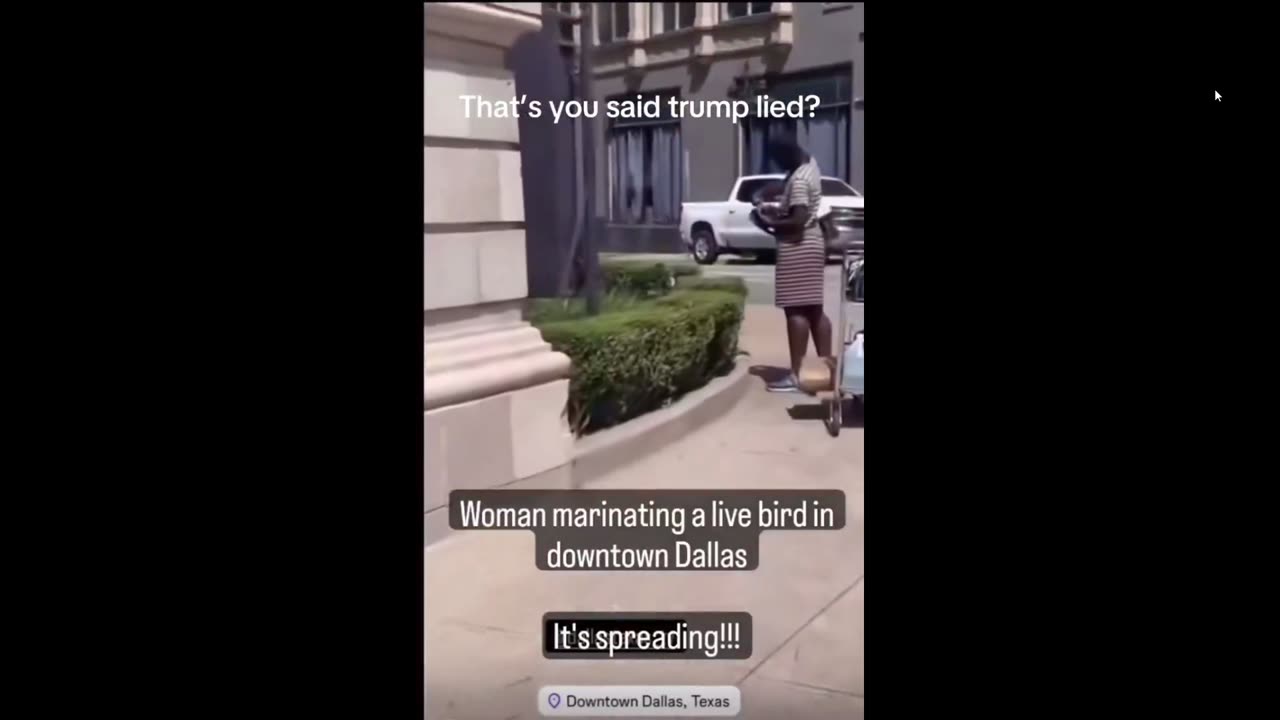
<point x="786" y="384"/>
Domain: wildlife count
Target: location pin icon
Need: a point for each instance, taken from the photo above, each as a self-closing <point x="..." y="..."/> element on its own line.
<point x="554" y="700"/>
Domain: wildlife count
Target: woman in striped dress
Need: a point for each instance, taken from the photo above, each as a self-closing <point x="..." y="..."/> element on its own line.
<point x="802" y="258"/>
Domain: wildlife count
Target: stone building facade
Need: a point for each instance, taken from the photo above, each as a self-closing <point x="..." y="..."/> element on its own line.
<point x="495" y="392"/>
<point x="709" y="51"/>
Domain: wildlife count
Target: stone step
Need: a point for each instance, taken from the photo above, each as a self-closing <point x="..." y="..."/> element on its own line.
<point x="479" y="348"/>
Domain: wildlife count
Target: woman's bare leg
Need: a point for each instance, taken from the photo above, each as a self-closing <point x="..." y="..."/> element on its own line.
<point x="820" y="326"/>
<point x="797" y="336"/>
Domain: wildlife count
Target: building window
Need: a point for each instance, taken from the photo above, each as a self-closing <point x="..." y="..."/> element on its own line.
<point x="646" y="166"/>
<point x="613" y="21"/>
<point x="666" y="17"/>
<point x="825" y="135"/>
<point x="565" y="13"/>
<point x="739" y="10"/>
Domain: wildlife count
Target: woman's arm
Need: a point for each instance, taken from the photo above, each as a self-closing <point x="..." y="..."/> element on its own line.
<point x="792" y="224"/>
<point x="790" y="229"/>
<point x="795" y="219"/>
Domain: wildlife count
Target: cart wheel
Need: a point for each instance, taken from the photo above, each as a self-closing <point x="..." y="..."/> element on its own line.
<point x="834" y="416"/>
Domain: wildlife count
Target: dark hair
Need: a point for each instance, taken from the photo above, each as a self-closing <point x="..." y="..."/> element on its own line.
<point x="786" y="152"/>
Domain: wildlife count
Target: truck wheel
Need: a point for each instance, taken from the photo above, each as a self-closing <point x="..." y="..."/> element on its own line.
<point x="704" y="247"/>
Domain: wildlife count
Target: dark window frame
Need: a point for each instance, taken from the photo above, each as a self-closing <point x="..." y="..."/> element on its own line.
<point x="617" y="126"/>
<point x="661" y="8"/>
<point x="566" y="13"/>
<point x="752" y="9"/>
<point x="615" y="12"/>
<point x="840" y="77"/>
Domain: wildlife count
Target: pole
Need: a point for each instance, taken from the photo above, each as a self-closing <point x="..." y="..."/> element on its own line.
<point x="570" y="261"/>
<point x="586" y="85"/>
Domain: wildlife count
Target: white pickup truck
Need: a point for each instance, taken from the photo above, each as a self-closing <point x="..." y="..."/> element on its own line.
<point x="710" y="229"/>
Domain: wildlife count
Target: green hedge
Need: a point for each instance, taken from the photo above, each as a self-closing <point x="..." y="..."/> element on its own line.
<point x="541" y="311"/>
<point x="642" y="277"/>
<point x="637" y="278"/>
<point x="640" y="359"/>
<point x="726" y="284"/>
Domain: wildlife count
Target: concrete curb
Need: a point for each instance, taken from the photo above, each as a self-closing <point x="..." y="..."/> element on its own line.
<point x="601" y="453"/>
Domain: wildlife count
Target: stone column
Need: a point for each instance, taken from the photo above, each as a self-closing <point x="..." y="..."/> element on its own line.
<point x="495" y="392"/>
<point x="706" y="15"/>
<point x="639" y="13"/>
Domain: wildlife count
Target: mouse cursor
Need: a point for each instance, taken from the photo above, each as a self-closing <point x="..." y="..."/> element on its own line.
<point x="1217" y="96"/>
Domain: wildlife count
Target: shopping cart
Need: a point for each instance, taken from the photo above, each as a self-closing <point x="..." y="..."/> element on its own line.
<point x="847" y="384"/>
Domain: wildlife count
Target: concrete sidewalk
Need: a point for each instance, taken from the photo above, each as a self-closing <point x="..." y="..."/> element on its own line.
<point x="485" y="597"/>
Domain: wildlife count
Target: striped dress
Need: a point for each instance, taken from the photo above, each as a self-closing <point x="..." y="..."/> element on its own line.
<point x="798" y="276"/>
